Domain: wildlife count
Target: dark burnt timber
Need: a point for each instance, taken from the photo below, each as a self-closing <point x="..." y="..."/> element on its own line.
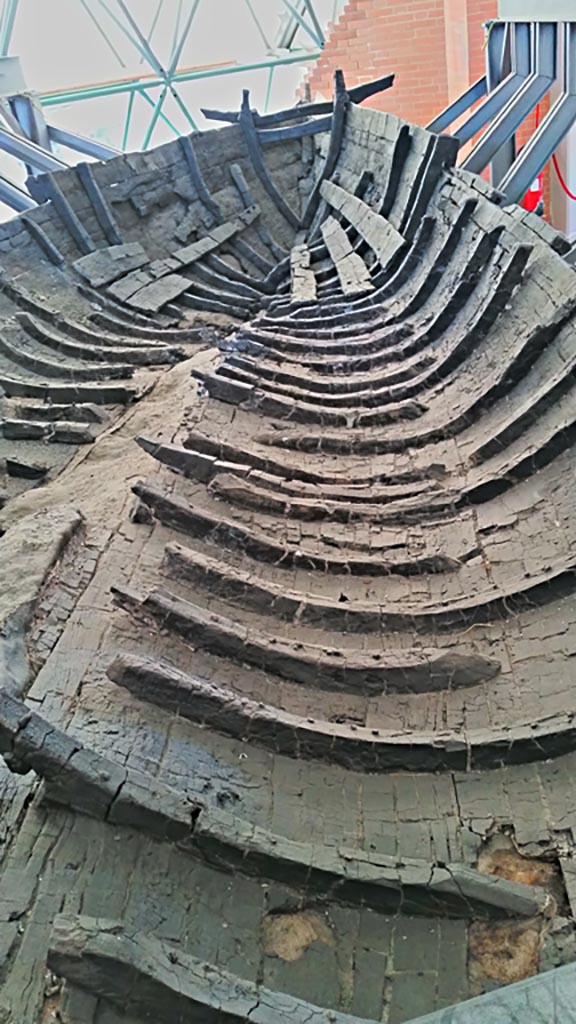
<point x="287" y="581"/>
<point x="357" y="95"/>
<point x="145" y="976"/>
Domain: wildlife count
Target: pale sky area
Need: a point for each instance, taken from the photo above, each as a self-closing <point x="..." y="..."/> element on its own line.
<point x="60" y="45"/>
<point x="63" y="44"/>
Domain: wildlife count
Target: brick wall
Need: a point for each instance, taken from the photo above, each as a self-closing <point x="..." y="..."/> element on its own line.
<point x="435" y="47"/>
<point x="375" y="37"/>
<point x="478" y="13"/>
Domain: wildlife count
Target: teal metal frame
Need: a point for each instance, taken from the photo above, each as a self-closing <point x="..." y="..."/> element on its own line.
<point x="113" y="16"/>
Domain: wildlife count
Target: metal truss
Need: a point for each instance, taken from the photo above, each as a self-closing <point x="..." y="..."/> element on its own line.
<point x="522" y="62"/>
<point x="299" y="40"/>
<point x="27" y="135"/>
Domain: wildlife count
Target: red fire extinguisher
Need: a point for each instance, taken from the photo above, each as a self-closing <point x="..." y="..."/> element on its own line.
<point x="533" y="200"/>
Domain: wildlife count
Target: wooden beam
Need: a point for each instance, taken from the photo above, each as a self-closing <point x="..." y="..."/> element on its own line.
<point x="144" y="975"/>
<point x="301" y="110"/>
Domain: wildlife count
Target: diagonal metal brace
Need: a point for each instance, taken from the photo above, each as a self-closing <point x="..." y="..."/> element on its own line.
<point x="543" y="74"/>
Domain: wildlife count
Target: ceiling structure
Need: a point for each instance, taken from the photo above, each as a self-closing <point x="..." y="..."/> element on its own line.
<point x="140" y="70"/>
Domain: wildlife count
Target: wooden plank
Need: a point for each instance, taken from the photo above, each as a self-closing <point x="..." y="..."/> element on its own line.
<point x="352" y="271"/>
<point x="303" y="286"/>
<point x="107" y="265"/>
<point x="152" y="287"/>
<point x="380" y="235"/>
<point x="156" y="294"/>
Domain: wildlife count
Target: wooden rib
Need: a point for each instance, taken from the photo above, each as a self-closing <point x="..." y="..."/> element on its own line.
<point x="352" y="746"/>
<point x="402" y="147"/>
<point x="239" y="180"/>
<point x="20" y="356"/>
<point x="88" y="782"/>
<point x="230" y="533"/>
<point x="140" y="355"/>
<point x="44" y="187"/>
<point x="345" y="670"/>
<point x="44" y="241"/>
<point x="187" y="147"/>
<point x="338" y="127"/>
<point x="324" y="508"/>
<point x="246" y="121"/>
<point x="268" y="404"/>
<point x="207" y="452"/>
<point x="145" y="976"/>
<point x="443" y="154"/>
<point x="102" y="394"/>
<point x="104" y="214"/>
<point x="378" y="615"/>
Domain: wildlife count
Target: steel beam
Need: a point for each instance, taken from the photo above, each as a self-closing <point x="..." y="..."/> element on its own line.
<point x="318" y="40"/>
<point x="89" y="147"/>
<point x="546" y="139"/>
<point x="154" y="119"/>
<point x="498" y="53"/>
<point x="522" y="103"/>
<point x="268" y="90"/>
<point x="30" y="154"/>
<point x="139" y="39"/>
<point x="98" y="26"/>
<point x="30" y="119"/>
<point x="157" y="14"/>
<point x="7" y="19"/>
<point x="163" y="117"/>
<point x="180" y="45"/>
<point x="16" y="198"/>
<point x="498" y="66"/>
<point x="459" y="106"/>
<point x="314" y="19"/>
<point x="128" y="121"/>
<point x="496" y="101"/>
<point x="256" y="21"/>
<point x="180" y="102"/>
<point x="11" y="120"/>
<point x="288" y="30"/>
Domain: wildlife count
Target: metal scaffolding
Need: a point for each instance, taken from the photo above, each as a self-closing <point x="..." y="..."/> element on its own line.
<point x="153" y="73"/>
<point x="118" y="24"/>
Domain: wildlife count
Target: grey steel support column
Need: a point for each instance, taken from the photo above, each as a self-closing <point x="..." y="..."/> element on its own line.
<point x="459" y="106"/>
<point x="89" y="147"/>
<point x="542" y="74"/>
<point x="498" y="66"/>
<point x="552" y="130"/>
<point x="29" y="152"/>
<point x="14" y="197"/>
<point x="29" y="116"/>
<point x="496" y="101"/>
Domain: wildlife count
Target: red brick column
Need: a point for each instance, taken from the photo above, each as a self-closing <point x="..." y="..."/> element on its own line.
<point x="374" y="37"/>
<point x="434" y="46"/>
